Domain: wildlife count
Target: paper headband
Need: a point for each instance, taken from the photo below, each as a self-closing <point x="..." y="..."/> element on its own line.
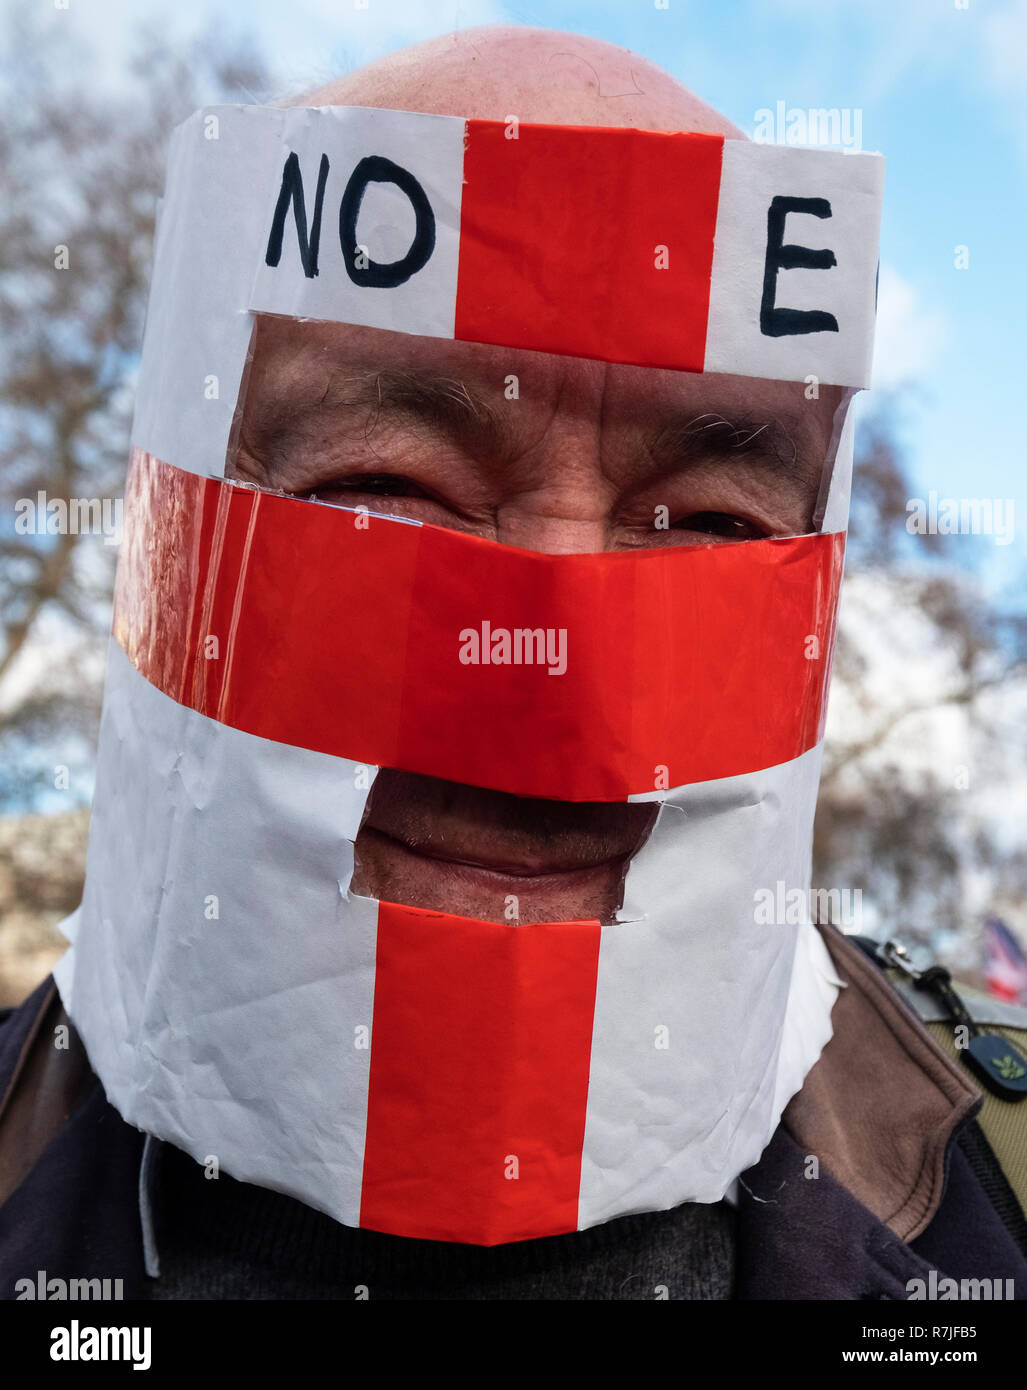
<point x="685" y="251"/>
<point x="674" y="250"/>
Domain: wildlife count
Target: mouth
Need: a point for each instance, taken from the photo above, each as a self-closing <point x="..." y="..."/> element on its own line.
<point x="496" y="869"/>
<point x="494" y="856"/>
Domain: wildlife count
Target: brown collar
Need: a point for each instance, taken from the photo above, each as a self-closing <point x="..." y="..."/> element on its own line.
<point x="880" y="1106"/>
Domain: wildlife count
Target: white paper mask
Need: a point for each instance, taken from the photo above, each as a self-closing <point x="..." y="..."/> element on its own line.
<point x="404" y="1069"/>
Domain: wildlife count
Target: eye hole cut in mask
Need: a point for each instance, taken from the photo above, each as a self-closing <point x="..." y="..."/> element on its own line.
<point x="555" y="627"/>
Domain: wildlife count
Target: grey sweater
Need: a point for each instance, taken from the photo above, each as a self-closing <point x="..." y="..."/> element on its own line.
<point x="218" y="1238"/>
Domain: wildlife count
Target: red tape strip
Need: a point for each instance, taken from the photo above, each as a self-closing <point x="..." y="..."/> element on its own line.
<point x="562" y="209"/>
<point x="441" y="1050"/>
<point x="290" y="621"/>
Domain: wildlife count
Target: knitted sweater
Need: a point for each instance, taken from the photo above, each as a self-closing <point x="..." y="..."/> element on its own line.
<point x="217" y="1238"/>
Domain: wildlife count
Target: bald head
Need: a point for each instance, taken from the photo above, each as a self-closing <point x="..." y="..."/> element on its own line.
<point x="536" y="75"/>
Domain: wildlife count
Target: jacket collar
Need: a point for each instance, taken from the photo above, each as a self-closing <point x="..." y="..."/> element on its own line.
<point x="881" y="1106"/>
<point x="809" y="1238"/>
<point x="857" y="1167"/>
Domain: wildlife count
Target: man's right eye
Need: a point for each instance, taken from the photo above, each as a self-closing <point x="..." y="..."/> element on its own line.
<point x="390" y="494"/>
<point x="375" y="484"/>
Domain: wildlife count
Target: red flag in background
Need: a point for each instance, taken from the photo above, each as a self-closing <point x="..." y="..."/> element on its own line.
<point x="1005" y="965"/>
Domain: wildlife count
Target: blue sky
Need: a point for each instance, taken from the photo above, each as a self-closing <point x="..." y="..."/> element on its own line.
<point x="943" y="94"/>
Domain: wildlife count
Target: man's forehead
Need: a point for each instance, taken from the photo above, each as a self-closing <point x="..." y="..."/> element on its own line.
<point x="300" y="360"/>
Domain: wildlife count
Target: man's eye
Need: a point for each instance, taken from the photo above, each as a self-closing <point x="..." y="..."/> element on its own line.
<point x="378" y="484"/>
<point x="720" y="524"/>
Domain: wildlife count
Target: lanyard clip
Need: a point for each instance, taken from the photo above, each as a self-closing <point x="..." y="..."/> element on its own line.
<point x="893" y="953"/>
<point x="991" y="1057"/>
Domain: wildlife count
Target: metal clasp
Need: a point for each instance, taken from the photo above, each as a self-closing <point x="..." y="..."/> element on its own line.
<point x="896" y="955"/>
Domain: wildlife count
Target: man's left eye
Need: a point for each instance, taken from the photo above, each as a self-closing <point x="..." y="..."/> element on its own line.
<point x="720" y="524"/>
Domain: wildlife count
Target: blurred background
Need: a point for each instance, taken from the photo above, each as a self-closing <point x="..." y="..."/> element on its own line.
<point x="924" y="794"/>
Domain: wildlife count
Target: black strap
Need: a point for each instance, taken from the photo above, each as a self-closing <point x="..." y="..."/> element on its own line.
<point x="992" y="1058"/>
<point x="988" y="1172"/>
<point x="937" y="981"/>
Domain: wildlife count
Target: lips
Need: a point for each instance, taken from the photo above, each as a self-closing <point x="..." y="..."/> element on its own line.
<point x="530" y="866"/>
<point x="430" y="843"/>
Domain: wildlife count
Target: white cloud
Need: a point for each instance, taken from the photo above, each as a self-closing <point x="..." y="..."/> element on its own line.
<point x="1005" y="44"/>
<point x="306" y="42"/>
<point x="909" y="335"/>
<point x="1005" y="60"/>
<point x="358" y="36"/>
<point x="907" y="668"/>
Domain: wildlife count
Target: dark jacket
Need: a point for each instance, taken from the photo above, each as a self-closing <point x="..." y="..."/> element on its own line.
<point x="877" y="1174"/>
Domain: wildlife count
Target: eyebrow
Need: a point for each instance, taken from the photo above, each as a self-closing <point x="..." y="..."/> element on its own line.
<point x="447" y="404"/>
<point x="772" y="443"/>
<point x="436" y="396"/>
